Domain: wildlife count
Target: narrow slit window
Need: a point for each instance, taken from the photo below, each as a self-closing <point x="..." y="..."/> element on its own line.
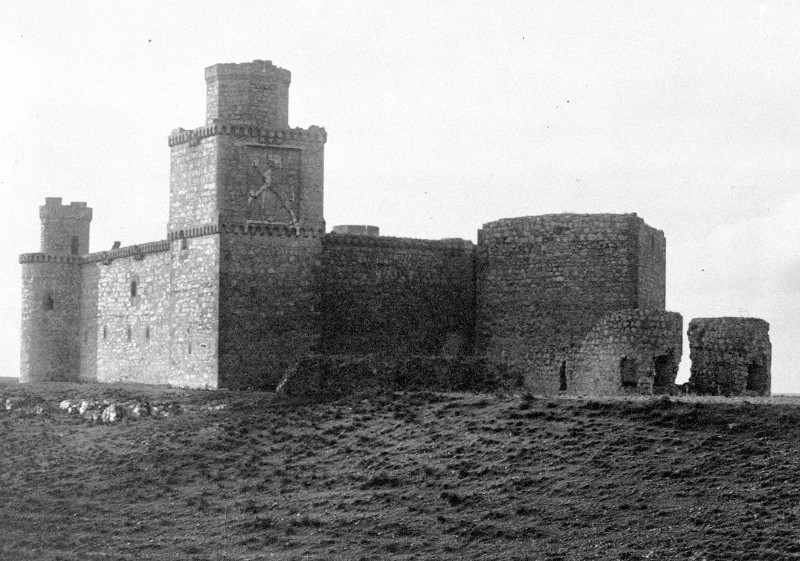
<point x="184" y="243"/>
<point x="134" y="289"/>
<point x="75" y="245"/>
<point x="130" y="333"/>
<point x="147" y="332"/>
<point x="562" y="376"/>
<point x="105" y="332"/>
<point x="49" y="303"/>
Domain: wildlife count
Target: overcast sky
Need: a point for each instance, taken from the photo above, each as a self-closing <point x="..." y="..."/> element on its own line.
<point x="441" y="116"/>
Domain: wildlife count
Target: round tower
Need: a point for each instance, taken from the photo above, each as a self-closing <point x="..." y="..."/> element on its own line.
<point x="51" y="294"/>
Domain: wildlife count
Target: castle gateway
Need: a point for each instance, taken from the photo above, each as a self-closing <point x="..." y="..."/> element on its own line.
<point x="248" y="281"/>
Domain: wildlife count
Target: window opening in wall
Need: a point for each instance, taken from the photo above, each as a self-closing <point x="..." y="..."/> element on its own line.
<point x="562" y="376"/>
<point x="75" y="247"/>
<point x="130" y="333"/>
<point x="86" y="336"/>
<point x="49" y="303"/>
<point x="661" y="366"/>
<point x="757" y="377"/>
<point x="652" y="243"/>
<point x="134" y="288"/>
<point x="189" y="348"/>
<point x="147" y="332"/>
<point x="627" y="371"/>
<point x="105" y="332"/>
<point x="184" y="243"/>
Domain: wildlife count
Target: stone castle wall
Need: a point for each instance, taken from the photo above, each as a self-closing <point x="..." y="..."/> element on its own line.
<point x="543" y="283"/>
<point x="248" y="283"/>
<point x="269" y="303"/>
<point x="730" y="356"/>
<point x="397" y="295"/>
<point x="629" y="351"/>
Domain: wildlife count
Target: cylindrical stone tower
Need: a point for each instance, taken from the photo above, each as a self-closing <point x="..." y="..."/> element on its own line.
<point x="51" y="294"/>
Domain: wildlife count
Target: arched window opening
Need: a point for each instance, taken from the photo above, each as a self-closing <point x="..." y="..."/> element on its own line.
<point x="627" y="371"/>
<point x="49" y="303"/>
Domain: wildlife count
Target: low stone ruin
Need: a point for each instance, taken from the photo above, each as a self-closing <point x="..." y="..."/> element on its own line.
<point x="730" y="356"/>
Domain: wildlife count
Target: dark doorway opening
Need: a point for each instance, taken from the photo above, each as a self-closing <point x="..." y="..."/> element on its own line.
<point x="757" y="378"/>
<point x="627" y="371"/>
<point x="663" y="370"/>
<point x="562" y="376"/>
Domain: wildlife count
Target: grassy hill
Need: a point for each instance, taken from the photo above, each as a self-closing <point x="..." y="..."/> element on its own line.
<point x="223" y="475"/>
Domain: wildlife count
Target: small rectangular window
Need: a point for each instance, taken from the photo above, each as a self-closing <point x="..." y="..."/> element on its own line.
<point x="75" y="248"/>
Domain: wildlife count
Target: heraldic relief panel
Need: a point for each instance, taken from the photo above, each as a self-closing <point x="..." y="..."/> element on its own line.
<point x="271" y="186"/>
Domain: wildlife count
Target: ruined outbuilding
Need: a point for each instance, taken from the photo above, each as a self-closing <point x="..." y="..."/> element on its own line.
<point x="730" y="356"/>
<point x="247" y="283"/>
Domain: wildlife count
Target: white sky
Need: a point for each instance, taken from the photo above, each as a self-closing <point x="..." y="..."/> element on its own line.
<point x="440" y="116"/>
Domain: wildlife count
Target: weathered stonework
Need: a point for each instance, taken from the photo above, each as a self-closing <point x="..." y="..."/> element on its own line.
<point x="397" y="295"/>
<point x="247" y="284"/>
<point x="629" y="351"/>
<point x="730" y="356"/>
<point x="543" y="282"/>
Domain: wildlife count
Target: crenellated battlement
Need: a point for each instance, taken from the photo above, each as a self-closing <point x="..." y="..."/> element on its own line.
<point x="262" y="136"/>
<point x="137" y="250"/>
<point x="48" y="258"/>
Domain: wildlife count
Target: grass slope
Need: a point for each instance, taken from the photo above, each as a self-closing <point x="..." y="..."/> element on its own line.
<point x="401" y="476"/>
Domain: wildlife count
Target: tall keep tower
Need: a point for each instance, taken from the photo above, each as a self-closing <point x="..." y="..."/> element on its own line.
<point x="252" y="189"/>
<point x="51" y="294"/>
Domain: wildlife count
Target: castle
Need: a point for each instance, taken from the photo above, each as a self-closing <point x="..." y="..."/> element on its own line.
<point x="248" y="281"/>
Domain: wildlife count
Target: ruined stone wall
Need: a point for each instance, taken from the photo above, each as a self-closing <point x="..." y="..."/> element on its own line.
<point x="50" y="318"/>
<point x="545" y="281"/>
<point x="730" y="356"/>
<point x="396" y="295"/>
<point x="629" y="351"/>
<point x="269" y="303"/>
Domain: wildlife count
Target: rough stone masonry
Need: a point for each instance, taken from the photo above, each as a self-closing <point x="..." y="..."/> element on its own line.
<point x="248" y="285"/>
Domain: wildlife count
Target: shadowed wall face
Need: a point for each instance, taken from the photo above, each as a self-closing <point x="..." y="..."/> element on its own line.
<point x="397" y="295"/>
<point x="730" y="356"/>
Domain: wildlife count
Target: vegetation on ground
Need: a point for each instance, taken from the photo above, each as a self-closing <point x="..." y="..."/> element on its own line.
<point x="413" y="475"/>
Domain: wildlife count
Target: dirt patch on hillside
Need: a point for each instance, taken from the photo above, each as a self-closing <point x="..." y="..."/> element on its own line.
<point x="402" y="476"/>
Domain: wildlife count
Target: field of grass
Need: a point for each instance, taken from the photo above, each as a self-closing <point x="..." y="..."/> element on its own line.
<point x="251" y="476"/>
